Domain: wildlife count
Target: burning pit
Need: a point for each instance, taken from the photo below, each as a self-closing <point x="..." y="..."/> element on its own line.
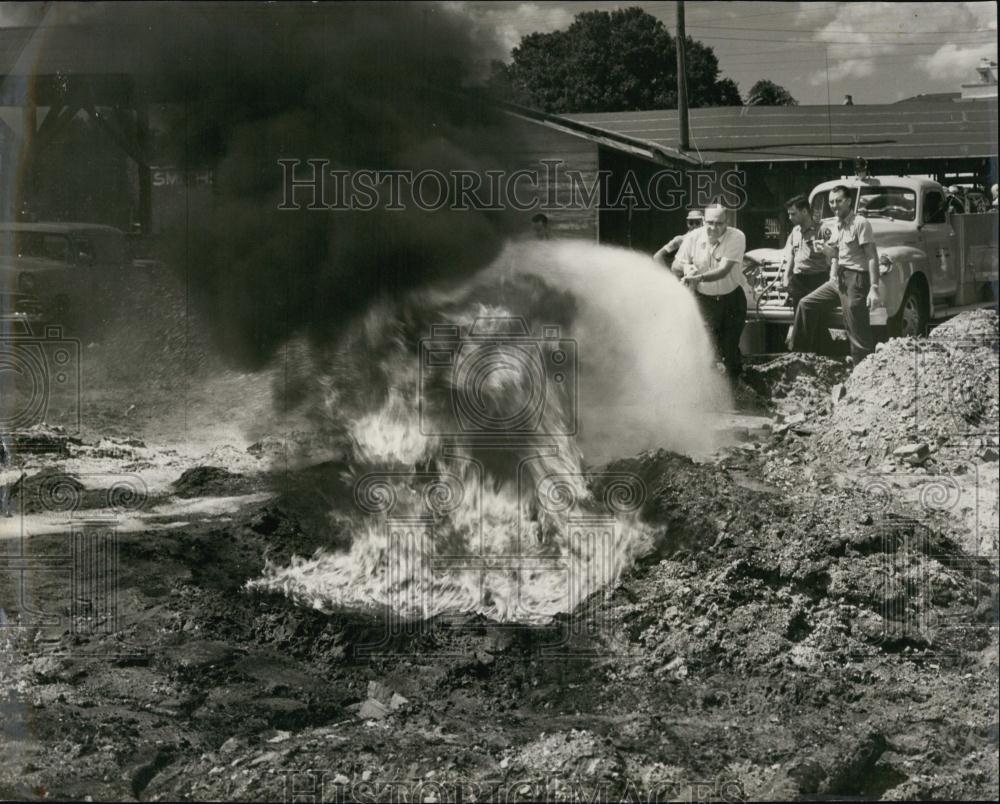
<point x="472" y="419"/>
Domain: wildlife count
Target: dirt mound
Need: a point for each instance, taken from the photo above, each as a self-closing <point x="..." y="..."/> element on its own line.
<point x="936" y="392"/>
<point x="797" y="382"/>
<point x="55" y="491"/>
<point x="211" y="481"/>
<point x="975" y="324"/>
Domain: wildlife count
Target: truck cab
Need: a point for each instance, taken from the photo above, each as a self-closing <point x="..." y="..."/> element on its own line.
<point x="932" y="263"/>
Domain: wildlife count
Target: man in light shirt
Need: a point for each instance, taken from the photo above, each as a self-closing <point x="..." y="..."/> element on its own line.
<point x="853" y="283"/>
<point x="710" y="260"/>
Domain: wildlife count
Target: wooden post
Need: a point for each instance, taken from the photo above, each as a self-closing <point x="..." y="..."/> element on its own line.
<point x="682" y="100"/>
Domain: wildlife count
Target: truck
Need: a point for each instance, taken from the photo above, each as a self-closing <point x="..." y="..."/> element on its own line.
<point x="933" y="263"/>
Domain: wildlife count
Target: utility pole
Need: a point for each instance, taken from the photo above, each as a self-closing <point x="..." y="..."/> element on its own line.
<point x="682" y="98"/>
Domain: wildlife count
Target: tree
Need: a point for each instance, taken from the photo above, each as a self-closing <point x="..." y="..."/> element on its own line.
<point x="768" y="93"/>
<point x="623" y="60"/>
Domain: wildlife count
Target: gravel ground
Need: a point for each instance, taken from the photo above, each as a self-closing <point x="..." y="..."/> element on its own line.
<point x="804" y="625"/>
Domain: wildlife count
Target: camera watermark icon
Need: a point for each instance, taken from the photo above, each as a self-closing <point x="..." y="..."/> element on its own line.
<point x="548" y="560"/>
<point x="933" y="595"/>
<point x="62" y="571"/>
<point x="963" y="496"/>
<point x="497" y="378"/>
<point x="39" y="377"/>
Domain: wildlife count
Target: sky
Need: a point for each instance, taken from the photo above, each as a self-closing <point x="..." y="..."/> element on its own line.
<point x="878" y="52"/>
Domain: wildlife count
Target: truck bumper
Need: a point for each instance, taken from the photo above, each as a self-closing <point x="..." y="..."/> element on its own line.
<point x="785" y="315"/>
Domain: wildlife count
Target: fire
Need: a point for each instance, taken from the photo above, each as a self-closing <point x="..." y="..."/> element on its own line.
<point x="471" y="492"/>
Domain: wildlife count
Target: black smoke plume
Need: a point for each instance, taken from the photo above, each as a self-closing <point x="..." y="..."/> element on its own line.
<point x="367" y="86"/>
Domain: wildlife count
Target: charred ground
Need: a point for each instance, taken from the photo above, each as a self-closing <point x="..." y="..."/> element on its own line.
<point x="808" y="623"/>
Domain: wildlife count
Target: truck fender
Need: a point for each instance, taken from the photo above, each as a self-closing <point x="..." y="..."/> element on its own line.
<point x="897" y="267"/>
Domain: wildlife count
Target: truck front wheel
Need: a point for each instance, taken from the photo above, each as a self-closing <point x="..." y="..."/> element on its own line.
<point x="913" y="316"/>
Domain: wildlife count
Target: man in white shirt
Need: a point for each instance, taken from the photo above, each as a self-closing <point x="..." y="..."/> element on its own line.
<point x="667" y="254"/>
<point x="711" y="262"/>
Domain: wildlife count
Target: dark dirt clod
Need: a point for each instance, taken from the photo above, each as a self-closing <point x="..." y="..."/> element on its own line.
<point x="211" y="481"/>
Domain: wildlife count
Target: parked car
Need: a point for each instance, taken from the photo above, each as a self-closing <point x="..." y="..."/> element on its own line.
<point x="933" y="264"/>
<point x="59" y="273"/>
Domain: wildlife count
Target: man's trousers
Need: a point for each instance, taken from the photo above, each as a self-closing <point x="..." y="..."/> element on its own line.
<point x="813" y="312"/>
<point x="725" y="317"/>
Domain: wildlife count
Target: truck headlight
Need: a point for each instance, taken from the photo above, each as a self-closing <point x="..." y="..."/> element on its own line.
<point x="884" y="265"/>
<point x="753" y="272"/>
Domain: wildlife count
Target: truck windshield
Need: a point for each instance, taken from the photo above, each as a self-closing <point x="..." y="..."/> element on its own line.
<point x="898" y="203"/>
<point x="888" y="202"/>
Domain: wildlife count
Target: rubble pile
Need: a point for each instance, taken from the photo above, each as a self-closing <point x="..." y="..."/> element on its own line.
<point x="42" y="439"/>
<point x="914" y="397"/>
<point x="797" y="383"/>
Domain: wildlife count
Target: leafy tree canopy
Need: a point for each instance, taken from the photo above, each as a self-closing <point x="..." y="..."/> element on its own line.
<point x="768" y="93"/>
<point x="623" y="60"/>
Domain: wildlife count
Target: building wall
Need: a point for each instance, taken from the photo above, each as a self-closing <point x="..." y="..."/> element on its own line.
<point x="569" y="216"/>
<point x="646" y="202"/>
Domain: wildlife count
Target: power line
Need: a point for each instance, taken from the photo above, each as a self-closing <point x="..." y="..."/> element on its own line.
<point x="834" y="42"/>
<point x="744" y="57"/>
<point x="841" y="31"/>
<point x="814" y="60"/>
<point x="768" y="13"/>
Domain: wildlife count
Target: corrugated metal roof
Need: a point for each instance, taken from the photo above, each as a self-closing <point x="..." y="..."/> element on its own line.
<point x="794" y="133"/>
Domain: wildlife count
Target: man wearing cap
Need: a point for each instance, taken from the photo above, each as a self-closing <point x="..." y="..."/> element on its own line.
<point x="665" y="256"/>
<point x="711" y="261"/>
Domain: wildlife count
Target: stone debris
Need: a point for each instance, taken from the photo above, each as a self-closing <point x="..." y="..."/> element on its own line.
<point x="940" y="391"/>
<point x="41" y="439"/>
<point x="380" y="703"/>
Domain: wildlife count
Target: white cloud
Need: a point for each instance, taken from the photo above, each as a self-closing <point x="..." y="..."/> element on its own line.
<point x="840" y="70"/>
<point x="509" y="23"/>
<point x="985" y="15"/>
<point x="527" y="18"/>
<point x="857" y="33"/>
<point x="957" y="62"/>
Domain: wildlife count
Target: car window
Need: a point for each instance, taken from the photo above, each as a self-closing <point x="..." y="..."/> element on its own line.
<point x="36" y="245"/>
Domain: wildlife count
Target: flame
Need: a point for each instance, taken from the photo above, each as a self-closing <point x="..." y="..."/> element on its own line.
<point x="470" y="488"/>
<point x="455" y="537"/>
